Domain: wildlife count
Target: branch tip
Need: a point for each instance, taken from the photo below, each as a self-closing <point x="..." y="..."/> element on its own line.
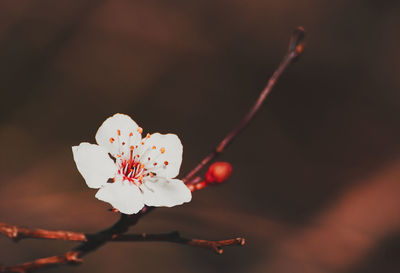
<point x="296" y="43"/>
<point x="73" y="257"/>
<point x="241" y="241"/>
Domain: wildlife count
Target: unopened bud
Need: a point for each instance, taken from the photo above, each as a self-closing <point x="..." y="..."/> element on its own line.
<point x="218" y="172"/>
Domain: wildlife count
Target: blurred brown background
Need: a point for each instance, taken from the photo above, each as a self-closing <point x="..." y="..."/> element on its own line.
<point x="316" y="180"/>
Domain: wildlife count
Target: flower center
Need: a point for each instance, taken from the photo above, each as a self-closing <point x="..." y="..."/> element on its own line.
<point x="132" y="170"/>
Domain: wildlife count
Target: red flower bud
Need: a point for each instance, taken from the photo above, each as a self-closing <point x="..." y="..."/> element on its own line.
<point x="218" y="172"/>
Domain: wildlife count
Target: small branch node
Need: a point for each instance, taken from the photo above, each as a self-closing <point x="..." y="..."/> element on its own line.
<point x="73" y="257"/>
<point x="297" y="39"/>
<point x="10" y="231"/>
<point x="242" y="241"/>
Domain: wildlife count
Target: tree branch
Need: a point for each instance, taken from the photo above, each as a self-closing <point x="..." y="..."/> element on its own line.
<point x="175" y="237"/>
<point x="296" y="48"/>
<point x="17" y="233"/>
<point x="74" y="257"/>
<point x="70" y="258"/>
<point x="91" y="242"/>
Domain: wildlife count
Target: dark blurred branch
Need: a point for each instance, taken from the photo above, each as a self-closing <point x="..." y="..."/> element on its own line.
<point x="296" y="48"/>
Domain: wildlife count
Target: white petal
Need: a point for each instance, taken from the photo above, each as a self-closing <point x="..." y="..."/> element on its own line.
<point x="166" y="158"/>
<point x="122" y="195"/>
<point x="162" y="192"/>
<point x="118" y="133"/>
<point x="94" y="164"/>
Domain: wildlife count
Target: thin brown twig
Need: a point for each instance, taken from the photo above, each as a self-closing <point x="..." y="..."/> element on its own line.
<point x="70" y="258"/>
<point x="17" y="233"/>
<point x="296" y="48"/>
<point x="175" y="237"/>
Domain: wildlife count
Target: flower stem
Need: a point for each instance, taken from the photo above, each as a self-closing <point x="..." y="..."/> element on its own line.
<point x="296" y="48"/>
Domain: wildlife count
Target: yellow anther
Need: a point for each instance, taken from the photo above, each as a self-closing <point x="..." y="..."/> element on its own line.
<point x="148" y="136"/>
<point x="140" y="177"/>
<point x="142" y="166"/>
<point x="162" y="150"/>
<point x="142" y="143"/>
<point x="151" y="174"/>
<point x="154" y="147"/>
<point x="119" y="132"/>
<point x="131" y="148"/>
<point x="112" y="140"/>
<point x="130" y="134"/>
<point x="140" y="130"/>
<point x="166" y="163"/>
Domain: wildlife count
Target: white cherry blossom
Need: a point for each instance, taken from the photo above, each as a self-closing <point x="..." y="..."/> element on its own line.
<point x="130" y="171"/>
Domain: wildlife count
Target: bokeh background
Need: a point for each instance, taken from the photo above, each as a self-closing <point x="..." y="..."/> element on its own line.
<point x="316" y="181"/>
